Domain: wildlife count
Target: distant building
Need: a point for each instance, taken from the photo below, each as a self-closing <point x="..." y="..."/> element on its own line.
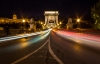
<point x="14" y="19"/>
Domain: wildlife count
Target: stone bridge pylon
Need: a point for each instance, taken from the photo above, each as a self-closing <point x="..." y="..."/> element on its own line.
<point x="51" y="19"/>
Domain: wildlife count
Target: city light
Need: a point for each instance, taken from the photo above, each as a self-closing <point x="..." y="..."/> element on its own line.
<point x="41" y="22"/>
<point x="78" y="20"/>
<point x="23" y="20"/>
<point x="60" y="22"/>
<point x="51" y="12"/>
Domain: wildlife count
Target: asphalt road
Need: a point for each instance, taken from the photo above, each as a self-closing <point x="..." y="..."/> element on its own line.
<point x="49" y="48"/>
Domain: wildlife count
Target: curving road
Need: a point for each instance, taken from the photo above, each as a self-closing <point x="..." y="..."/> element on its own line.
<point x="50" y="48"/>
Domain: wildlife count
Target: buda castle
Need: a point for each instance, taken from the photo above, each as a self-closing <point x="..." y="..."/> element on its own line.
<point x="14" y="19"/>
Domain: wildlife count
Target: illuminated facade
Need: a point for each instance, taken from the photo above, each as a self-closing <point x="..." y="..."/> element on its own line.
<point x="14" y="19"/>
<point x="51" y="19"/>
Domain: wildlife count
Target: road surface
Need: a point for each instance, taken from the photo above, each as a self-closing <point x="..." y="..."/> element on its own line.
<point x="49" y="48"/>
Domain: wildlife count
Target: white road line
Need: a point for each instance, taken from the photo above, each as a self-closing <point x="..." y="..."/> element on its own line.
<point x="29" y="54"/>
<point x="51" y="52"/>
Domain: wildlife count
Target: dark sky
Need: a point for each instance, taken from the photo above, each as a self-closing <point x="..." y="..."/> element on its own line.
<point x="36" y="8"/>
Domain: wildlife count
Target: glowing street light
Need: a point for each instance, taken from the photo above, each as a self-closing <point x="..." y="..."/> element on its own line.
<point x="41" y="22"/>
<point x="23" y="20"/>
<point x="44" y="24"/>
<point x="24" y="25"/>
<point x="78" y="20"/>
<point x="60" y="22"/>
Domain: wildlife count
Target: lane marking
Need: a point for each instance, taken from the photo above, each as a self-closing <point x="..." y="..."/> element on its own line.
<point x="52" y="53"/>
<point x="29" y="54"/>
<point x="50" y="50"/>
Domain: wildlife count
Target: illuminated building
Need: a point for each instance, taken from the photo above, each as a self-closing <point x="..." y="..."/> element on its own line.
<point x="14" y="19"/>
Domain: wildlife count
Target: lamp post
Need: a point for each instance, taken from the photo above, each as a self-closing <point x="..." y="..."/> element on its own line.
<point x="23" y="20"/>
<point x="78" y="21"/>
<point x="24" y="24"/>
<point x="60" y="23"/>
<point x="43" y="25"/>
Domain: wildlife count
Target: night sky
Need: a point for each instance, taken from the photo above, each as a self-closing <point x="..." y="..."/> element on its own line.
<point x="35" y="8"/>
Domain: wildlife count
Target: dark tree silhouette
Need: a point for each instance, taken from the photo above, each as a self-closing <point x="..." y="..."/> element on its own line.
<point x="95" y="12"/>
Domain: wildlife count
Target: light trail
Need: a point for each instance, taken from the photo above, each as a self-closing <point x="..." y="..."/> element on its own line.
<point x="81" y="35"/>
<point x="21" y="36"/>
<point x="89" y="40"/>
<point x="24" y="43"/>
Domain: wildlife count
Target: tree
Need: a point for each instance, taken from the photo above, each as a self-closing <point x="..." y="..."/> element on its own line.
<point x="95" y="12"/>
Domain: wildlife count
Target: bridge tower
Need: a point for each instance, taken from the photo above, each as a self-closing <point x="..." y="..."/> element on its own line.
<point x="51" y="19"/>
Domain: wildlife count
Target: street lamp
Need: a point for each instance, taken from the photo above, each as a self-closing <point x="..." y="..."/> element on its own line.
<point x="78" y="20"/>
<point x="41" y="23"/>
<point x="24" y="24"/>
<point x="60" y="22"/>
<point x="44" y="24"/>
<point x="23" y="20"/>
